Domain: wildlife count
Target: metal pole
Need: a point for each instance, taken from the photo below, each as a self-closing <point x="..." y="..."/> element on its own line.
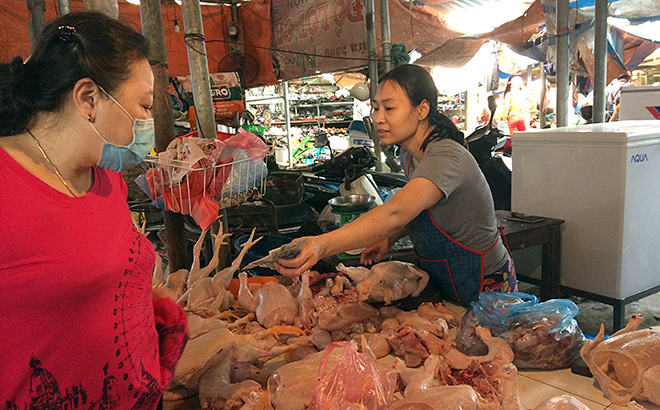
<point x="563" y="32"/>
<point x="151" y="17"/>
<point x="199" y="68"/>
<point x="528" y="76"/>
<point x="37" y="9"/>
<point x="471" y="102"/>
<point x="64" y="6"/>
<point x="600" y="61"/>
<point x="287" y="118"/>
<point x="385" y="31"/>
<point x="108" y="7"/>
<point x="544" y="81"/>
<point x="373" y="70"/>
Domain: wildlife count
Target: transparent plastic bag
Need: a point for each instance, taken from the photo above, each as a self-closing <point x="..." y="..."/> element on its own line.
<point x="542" y="335"/>
<point x="356" y="383"/>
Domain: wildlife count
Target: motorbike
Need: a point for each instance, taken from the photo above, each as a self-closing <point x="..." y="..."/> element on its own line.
<point x="340" y="174"/>
<point x="483" y="142"/>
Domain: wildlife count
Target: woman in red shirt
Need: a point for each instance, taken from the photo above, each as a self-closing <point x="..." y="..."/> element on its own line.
<point x="80" y="325"/>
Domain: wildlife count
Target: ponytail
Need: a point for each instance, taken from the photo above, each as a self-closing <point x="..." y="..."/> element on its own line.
<point x="443" y="128"/>
<point x="15" y="107"/>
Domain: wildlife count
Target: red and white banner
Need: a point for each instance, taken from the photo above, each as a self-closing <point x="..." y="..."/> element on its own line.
<point x="318" y="36"/>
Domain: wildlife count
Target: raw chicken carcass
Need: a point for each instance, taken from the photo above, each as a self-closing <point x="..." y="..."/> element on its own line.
<point x="564" y="402"/>
<point x="438" y="326"/>
<point x="307" y="316"/>
<point x="200" y="350"/>
<point x="414" y="344"/>
<point x="272" y="303"/>
<point x="432" y="311"/>
<point x="337" y="312"/>
<point x="209" y="296"/>
<point x="418" y="379"/>
<point x="217" y="392"/>
<point x="291" y="387"/>
<point x="388" y="281"/>
<point x="627" y="365"/>
<point x="377" y="343"/>
<point x="441" y="397"/>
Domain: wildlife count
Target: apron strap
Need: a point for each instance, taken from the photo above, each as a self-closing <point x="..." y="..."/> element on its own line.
<point x="506" y="244"/>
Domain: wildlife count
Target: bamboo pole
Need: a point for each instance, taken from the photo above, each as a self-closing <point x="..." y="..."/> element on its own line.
<point x="64" y="6"/>
<point x="108" y="7"/>
<point x="151" y="16"/>
<point x="37" y="23"/>
<point x="199" y="68"/>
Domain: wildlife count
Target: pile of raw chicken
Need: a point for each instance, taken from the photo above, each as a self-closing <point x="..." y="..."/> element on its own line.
<point x="263" y="349"/>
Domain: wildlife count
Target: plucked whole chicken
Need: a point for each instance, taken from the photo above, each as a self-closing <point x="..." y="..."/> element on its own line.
<point x="626" y="365"/>
<point x="387" y="281"/>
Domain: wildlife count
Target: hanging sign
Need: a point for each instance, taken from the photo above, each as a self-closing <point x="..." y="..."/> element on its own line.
<point x="318" y="36"/>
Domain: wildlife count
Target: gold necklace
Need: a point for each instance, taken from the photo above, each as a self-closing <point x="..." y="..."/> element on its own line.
<point x="57" y="172"/>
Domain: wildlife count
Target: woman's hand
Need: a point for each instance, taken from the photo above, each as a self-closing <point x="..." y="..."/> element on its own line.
<point x="374" y="253"/>
<point x="312" y="252"/>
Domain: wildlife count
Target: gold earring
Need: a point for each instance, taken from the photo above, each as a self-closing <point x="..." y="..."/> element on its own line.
<point x="90" y="118"/>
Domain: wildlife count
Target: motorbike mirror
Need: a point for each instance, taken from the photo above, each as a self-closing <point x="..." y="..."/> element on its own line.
<point x="320" y="140"/>
<point x="492" y="105"/>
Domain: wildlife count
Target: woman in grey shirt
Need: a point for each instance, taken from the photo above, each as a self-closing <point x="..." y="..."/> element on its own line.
<point x="446" y="207"/>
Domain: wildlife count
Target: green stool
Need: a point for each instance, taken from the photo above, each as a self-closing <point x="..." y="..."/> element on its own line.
<point x="346" y="217"/>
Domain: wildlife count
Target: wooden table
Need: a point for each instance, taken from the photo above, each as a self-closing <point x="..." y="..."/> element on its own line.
<point x="547" y="233"/>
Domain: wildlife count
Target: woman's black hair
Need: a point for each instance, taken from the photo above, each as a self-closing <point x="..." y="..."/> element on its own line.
<point x="418" y="84"/>
<point x="75" y="46"/>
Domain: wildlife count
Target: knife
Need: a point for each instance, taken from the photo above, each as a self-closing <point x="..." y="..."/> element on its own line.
<point x="287" y="251"/>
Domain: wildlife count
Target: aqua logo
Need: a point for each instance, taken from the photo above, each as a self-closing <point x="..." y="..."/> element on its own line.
<point x="639" y="158"/>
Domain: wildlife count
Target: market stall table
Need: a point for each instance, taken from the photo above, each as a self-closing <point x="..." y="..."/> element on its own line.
<point x="547" y="233"/>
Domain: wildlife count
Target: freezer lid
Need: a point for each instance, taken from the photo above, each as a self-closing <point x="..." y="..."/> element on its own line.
<point x="620" y="132"/>
<point x="640" y="89"/>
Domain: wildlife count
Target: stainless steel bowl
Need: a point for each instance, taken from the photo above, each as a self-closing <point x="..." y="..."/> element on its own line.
<point x="351" y="203"/>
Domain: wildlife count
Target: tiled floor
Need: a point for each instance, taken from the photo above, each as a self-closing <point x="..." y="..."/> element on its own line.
<point x="535" y="387"/>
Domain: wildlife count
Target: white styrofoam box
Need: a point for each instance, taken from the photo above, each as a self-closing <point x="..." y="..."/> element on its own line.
<point x="604" y="181"/>
<point x="640" y="103"/>
<point x="281" y="155"/>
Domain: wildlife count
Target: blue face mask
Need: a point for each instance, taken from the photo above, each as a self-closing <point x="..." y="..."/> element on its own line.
<point x="118" y="157"/>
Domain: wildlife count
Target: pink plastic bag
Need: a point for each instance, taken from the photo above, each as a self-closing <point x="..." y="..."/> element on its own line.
<point x="253" y="145"/>
<point x="356" y="383"/>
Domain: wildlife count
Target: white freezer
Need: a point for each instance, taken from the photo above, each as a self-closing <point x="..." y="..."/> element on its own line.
<point x="640" y="103"/>
<point x="604" y="181"/>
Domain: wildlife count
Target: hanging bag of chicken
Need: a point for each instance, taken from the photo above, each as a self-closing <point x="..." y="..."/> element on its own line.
<point x="357" y="382"/>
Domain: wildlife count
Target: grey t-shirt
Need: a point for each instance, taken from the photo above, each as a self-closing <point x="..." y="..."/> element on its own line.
<point x="466" y="211"/>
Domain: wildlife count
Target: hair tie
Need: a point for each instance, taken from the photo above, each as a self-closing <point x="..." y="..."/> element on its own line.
<point x="16" y="65"/>
<point x="66" y="33"/>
